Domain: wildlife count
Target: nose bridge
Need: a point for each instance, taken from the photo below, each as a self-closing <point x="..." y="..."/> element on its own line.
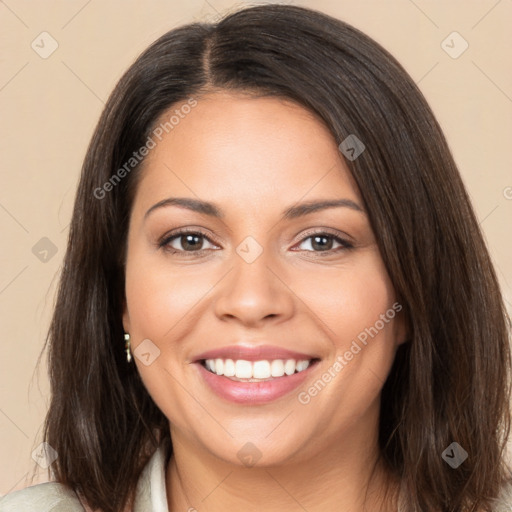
<point x="251" y="275"/>
<point x="252" y="290"/>
<point x="251" y="263"/>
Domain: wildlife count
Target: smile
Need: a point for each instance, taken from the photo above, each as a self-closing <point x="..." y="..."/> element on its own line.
<point x="255" y="371"/>
<point x="257" y="382"/>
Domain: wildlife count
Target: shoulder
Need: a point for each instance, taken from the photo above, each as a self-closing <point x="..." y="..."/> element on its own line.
<point x="56" y="497"/>
<point x="47" y="497"/>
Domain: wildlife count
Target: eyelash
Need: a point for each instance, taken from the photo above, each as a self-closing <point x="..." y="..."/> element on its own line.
<point x="166" y="240"/>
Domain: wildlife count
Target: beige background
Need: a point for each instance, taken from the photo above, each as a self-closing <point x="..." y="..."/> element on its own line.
<point x="49" y="107"/>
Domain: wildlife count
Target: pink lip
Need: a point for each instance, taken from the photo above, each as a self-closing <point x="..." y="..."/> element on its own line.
<point x="253" y="393"/>
<point x="255" y="353"/>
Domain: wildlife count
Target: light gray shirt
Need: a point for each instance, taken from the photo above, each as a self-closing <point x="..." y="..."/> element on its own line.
<point x="150" y="494"/>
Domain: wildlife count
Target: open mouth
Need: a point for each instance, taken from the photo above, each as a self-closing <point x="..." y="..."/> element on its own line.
<point x="256" y="371"/>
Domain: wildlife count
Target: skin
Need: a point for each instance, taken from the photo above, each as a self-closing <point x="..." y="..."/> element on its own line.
<point x="254" y="157"/>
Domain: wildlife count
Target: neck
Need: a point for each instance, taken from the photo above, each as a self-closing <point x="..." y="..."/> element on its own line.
<point x="346" y="471"/>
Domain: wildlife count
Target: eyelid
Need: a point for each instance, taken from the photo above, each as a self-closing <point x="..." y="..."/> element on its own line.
<point x="346" y="239"/>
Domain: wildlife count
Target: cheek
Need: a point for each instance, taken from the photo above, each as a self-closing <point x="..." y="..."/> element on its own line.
<point x="158" y="297"/>
<point x="351" y="307"/>
<point x="350" y="300"/>
<point x="160" y="305"/>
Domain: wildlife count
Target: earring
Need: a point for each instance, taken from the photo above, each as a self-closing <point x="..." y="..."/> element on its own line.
<point x="127" y="347"/>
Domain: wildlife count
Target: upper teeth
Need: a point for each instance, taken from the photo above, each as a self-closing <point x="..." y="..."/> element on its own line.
<point x="242" y="369"/>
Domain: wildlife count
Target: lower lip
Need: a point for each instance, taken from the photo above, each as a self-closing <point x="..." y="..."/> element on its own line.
<point x="254" y="392"/>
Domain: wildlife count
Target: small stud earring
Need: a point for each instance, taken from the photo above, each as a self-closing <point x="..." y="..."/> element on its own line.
<point x="127" y="347"/>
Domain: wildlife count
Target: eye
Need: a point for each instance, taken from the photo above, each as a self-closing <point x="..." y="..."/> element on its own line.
<point x="186" y="241"/>
<point x="193" y="243"/>
<point x="324" y="242"/>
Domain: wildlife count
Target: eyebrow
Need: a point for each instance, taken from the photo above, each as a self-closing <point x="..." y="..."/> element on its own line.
<point x="293" y="212"/>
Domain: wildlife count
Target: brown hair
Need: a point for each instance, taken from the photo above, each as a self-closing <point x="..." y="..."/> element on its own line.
<point x="449" y="382"/>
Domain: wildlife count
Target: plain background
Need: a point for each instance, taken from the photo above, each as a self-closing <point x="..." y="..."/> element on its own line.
<point x="50" y="106"/>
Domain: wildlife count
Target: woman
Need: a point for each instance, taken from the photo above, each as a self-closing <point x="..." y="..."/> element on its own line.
<point x="276" y="295"/>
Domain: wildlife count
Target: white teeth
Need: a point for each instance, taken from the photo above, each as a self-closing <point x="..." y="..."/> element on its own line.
<point x="277" y="368"/>
<point x="289" y="367"/>
<point x="301" y="366"/>
<point x="242" y="369"/>
<point x="261" y="370"/>
<point x="229" y="368"/>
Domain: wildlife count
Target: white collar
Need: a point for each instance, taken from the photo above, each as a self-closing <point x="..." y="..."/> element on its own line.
<point x="151" y="490"/>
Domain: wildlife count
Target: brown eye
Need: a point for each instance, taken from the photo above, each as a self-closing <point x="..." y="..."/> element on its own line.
<point x="186" y="241"/>
<point x="323" y="242"/>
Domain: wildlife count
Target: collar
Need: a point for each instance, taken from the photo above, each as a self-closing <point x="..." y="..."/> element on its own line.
<point x="150" y="493"/>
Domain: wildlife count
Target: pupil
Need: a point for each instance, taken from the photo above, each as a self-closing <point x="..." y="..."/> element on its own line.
<point x="322" y="245"/>
<point x="189" y="239"/>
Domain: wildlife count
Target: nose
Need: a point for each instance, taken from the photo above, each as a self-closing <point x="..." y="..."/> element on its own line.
<point x="255" y="293"/>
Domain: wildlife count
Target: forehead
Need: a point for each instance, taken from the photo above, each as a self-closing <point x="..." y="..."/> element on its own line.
<point x="243" y="150"/>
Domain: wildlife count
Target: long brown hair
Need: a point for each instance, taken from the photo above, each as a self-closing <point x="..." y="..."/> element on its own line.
<point x="449" y="383"/>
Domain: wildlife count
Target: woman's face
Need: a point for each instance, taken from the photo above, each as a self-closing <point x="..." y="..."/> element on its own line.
<point x="311" y="282"/>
